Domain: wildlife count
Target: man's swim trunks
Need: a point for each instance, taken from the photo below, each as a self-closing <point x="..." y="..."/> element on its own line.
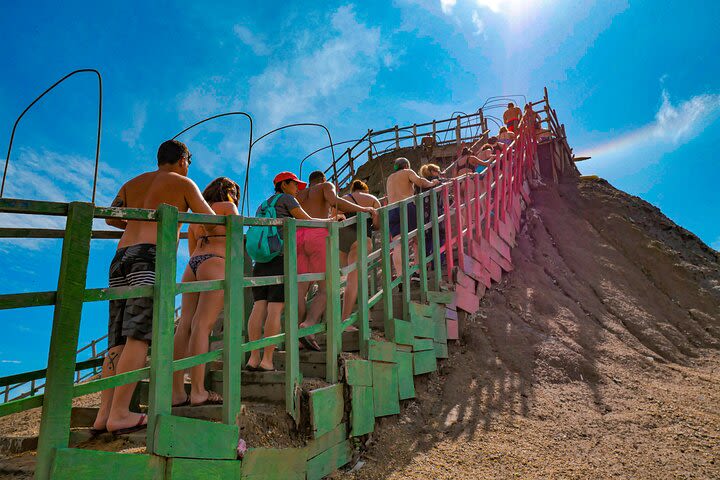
<point x="132" y="317"/>
<point x="311" y="252"/>
<point x="394" y="217"/>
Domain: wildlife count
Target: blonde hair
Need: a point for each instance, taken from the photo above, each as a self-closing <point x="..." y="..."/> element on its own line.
<point x="427" y="169"/>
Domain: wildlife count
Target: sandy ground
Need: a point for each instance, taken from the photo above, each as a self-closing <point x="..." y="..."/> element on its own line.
<point x="596" y="358"/>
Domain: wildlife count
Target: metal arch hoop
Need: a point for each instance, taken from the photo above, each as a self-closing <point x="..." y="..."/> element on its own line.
<point x="97" y="147"/>
<point x="321" y="149"/>
<point x="250" y="142"/>
<point x="304" y="124"/>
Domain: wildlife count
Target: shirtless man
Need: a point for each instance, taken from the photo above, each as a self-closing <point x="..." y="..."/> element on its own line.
<point x="130" y="326"/>
<point x="401" y="185"/>
<point x="512" y="116"/>
<point x="317" y="200"/>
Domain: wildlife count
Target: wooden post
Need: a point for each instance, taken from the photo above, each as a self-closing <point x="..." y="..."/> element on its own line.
<point x="405" y="259"/>
<point x="397" y="137"/>
<point x="459" y="223"/>
<point x="437" y="268"/>
<point x="57" y="404"/>
<point x="233" y="318"/>
<point x="421" y="252"/>
<point x="448" y="232"/>
<point x="458" y="132"/>
<point x="386" y="265"/>
<point x="478" y="209"/>
<point x="434" y="125"/>
<point x="292" y="347"/>
<point x="488" y="196"/>
<point x="469" y="206"/>
<point x="362" y="275"/>
<point x="334" y="307"/>
<point x="163" y="329"/>
<point x="415" y="135"/>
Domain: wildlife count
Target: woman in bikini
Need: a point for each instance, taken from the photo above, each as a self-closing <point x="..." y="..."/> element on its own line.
<point x="200" y="310"/>
<point x="360" y="195"/>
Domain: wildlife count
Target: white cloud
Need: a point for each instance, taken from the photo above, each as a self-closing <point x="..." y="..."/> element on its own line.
<point x="478" y="22"/>
<point x="201" y="101"/>
<point x="494" y="6"/>
<point x="673" y="126"/>
<point x="131" y="135"/>
<point x="447" y="6"/>
<point x="685" y="121"/>
<point x="321" y="78"/>
<point x="56" y="177"/>
<point x="256" y="44"/>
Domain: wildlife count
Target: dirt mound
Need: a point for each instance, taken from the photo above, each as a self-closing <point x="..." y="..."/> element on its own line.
<point x="597" y="357"/>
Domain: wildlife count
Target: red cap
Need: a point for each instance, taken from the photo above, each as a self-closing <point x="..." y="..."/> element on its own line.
<point x="289" y="176"/>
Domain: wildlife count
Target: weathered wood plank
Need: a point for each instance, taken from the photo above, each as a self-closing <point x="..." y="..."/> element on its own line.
<point x="451" y="314"/>
<point x="422" y="344"/>
<point x="466" y="299"/>
<point x="381" y="351"/>
<point x="362" y="413"/>
<point x="441" y="350"/>
<point x="440" y="297"/>
<point x="193" y="469"/>
<point x="163" y="327"/>
<point x="329" y="461"/>
<point x="274" y="464"/>
<point x="403" y="332"/>
<point x="326" y="409"/>
<point x="424" y="362"/>
<point x="55" y="418"/>
<point x="178" y="437"/>
<point x="453" y="331"/>
<point x="317" y="446"/>
<point x="333" y="314"/>
<point x="406" y="380"/>
<point x="358" y="372"/>
<point x="500" y="245"/>
<point x="234" y="314"/>
<point x="385" y="389"/>
<point x="79" y="464"/>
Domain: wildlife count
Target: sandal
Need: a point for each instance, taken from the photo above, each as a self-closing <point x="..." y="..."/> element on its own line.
<point x="214" y="398"/>
<point x="139" y="426"/>
<point x="310" y="343"/>
<point x="250" y="368"/>
<point x="94" y="432"/>
<point x="183" y="404"/>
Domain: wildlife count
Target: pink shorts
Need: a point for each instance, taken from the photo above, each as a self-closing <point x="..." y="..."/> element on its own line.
<point x="311" y="249"/>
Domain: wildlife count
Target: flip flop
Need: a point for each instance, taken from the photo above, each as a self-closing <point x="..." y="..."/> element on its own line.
<point x="310" y="343"/>
<point x="214" y="398"/>
<point x="183" y="404"/>
<point x="261" y="369"/>
<point x="139" y="426"/>
<point x="94" y="432"/>
<point x="250" y="368"/>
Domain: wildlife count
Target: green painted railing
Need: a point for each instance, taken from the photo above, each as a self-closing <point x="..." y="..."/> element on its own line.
<point x="463" y="216"/>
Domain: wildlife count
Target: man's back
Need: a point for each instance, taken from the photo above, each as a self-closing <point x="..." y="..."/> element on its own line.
<point x="313" y="201"/>
<point x="399" y="186"/>
<point x="149" y="191"/>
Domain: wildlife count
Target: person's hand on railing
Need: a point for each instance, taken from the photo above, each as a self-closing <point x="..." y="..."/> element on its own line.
<point x="339" y="217"/>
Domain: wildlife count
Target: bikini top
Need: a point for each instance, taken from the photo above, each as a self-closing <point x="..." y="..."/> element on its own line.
<point x="352" y="214"/>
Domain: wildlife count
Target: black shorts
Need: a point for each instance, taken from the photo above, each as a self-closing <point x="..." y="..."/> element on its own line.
<point x="395" y="219"/>
<point x="132" y="317"/>
<point x="271" y="293"/>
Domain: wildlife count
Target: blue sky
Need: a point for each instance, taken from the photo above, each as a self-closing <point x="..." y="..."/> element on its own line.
<point x="635" y="83"/>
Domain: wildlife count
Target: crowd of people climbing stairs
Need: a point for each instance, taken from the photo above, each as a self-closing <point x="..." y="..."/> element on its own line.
<point x="130" y="320"/>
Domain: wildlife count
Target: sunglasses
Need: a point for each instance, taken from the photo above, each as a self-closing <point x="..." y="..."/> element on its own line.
<point x="189" y="159"/>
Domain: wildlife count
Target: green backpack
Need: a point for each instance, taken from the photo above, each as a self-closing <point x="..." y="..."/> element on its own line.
<point x="263" y="242"/>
